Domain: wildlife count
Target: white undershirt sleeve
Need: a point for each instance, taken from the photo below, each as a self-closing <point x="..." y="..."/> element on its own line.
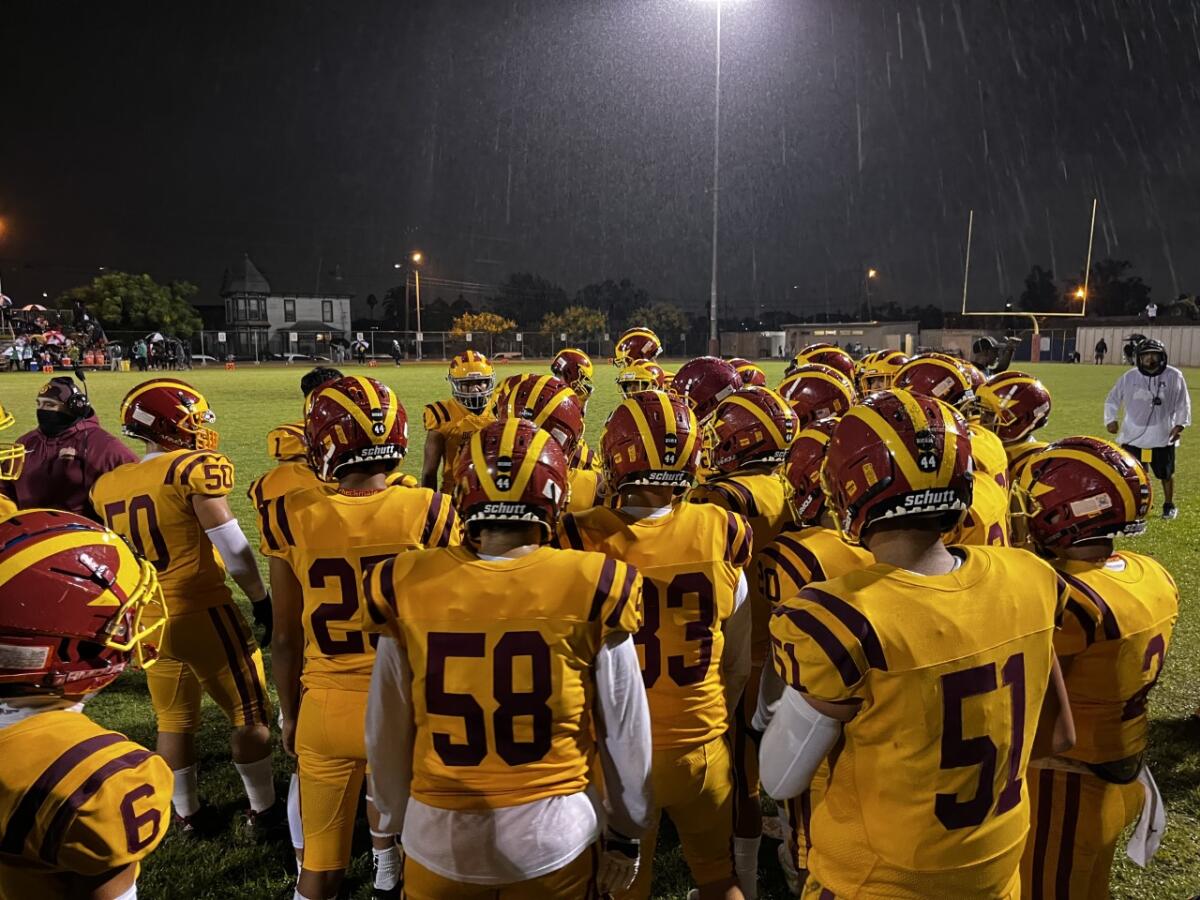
<point x="390" y="733"/>
<point x="770" y="692"/>
<point x="796" y="741"/>
<point x="623" y="726"/>
<point x="235" y="552"/>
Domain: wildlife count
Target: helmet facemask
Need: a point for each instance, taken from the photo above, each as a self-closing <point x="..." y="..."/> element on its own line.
<point x="474" y="392"/>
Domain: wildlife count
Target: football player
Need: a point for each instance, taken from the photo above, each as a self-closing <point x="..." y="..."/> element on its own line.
<point x="817" y="392"/>
<point x="947" y="379"/>
<point x="824" y="354"/>
<point x="639" y="375"/>
<point x="173" y="507"/>
<point x="927" y="670"/>
<point x="695" y="636"/>
<point x="1013" y="406"/>
<point x="319" y="543"/>
<point x="549" y="404"/>
<point x="285" y="444"/>
<point x="1078" y="495"/>
<point x="80" y="805"/>
<point x="449" y="422"/>
<point x="509" y="670"/>
<point x="876" y="371"/>
<point x="704" y="382"/>
<point x="575" y="368"/>
<point x="807" y="550"/>
<point x="12" y="461"/>
<point x="748" y="437"/>
<point x="634" y="344"/>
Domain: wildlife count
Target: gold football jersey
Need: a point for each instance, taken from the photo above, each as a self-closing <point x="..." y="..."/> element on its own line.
<point x="7" y="507"/>
<point x="286" y="442"/>
<point x="800" y="556"/>
<point x="585" y="489"/>
<point x="586" y="458"/>
<point x="501" y="654"/>
<point x="455" y="423"/>
<point x="1116" y="633"/>
<point x="149" y="503"/>
<point x="925" y="798"/>
<point x="691" y="562"/>
<point x="75" y="798"/>
<point x="285" y="478"/>
<point x="759" y="496"/>
<point x="988" y="452"/>
<point x="330" y="540"/>
<point x="986" y="523"/>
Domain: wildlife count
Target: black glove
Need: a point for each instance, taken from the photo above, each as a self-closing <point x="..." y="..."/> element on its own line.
<point x="263" y="617"/>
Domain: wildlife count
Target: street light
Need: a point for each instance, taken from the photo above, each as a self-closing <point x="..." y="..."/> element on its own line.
<point x="1080" y="293"/>
<point x="872" y="274"/>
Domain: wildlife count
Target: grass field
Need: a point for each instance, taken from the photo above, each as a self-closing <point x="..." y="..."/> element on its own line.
<point x="249" y="401"/>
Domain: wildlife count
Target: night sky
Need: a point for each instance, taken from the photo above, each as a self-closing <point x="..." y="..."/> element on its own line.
<point x="574" y="138"/>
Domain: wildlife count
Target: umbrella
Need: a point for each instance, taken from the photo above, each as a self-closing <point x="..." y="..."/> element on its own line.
<point x="154" y="337"/>
<point x="33" y="307"/>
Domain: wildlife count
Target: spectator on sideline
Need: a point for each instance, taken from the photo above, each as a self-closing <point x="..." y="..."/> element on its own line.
<point x="991" y="356"/>
<point x="140" y="352"/>
<point x="1152" y="405"/>
<point x="1101" y="351"/>
<point x="396" y="351"/>
<point x="1151" y="310"/>
<point x="66" y="453"/>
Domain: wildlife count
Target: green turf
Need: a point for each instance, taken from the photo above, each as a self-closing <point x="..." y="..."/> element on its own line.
<point x="249" y="401"/>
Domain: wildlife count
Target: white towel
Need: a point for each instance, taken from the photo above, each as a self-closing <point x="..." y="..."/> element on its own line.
<point x="1148" y="833"/>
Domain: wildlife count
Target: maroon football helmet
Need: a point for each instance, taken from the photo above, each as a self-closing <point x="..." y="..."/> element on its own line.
<point x="511" y="471"/>
<point x="575" y="368"/>
<point x="898" y="454"/>
<point x="817" y="392"/>
<point x="353" y="420"/>
<point x="170" y="413"/>
<point x="704" y="382"/>
<point x="750" y="425"/>
<point x="652" y="438"/>
<point x="72" y="601"/>
<point x="547" y="402"/>
<point x="1014" y="405"/>
<point x="1082" y="489"/>
<point x="824" y="354"/>
<point x="801" y="471"/>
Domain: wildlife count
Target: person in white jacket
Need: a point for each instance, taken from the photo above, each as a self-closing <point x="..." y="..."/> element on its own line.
<point x="1148" y="409"/>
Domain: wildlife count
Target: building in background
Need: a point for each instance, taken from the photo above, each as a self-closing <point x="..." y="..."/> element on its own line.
<point x="857" y="337"/>
<point x="260" y="320"/>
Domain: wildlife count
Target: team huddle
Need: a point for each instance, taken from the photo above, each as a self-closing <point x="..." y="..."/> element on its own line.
<point x="871" y="593"/>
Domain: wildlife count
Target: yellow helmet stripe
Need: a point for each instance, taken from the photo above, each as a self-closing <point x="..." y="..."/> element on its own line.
<point x="884" y="428"/>
<point x="685" y="452"/>
<point x="47" y="547"/>
<point x="1079" y="456"/>
<point x="161" y="383"/>
<point x="508" y="441"/>
<point x="653" y="460"/>
<point x="775" y="433"/>
<point x="363" y="420"/>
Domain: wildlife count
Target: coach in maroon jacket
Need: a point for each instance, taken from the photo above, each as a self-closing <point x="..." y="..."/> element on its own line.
<point x="66" y="453"/>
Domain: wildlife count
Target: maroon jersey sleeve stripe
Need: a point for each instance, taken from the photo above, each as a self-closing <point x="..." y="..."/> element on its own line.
<point x="281" y="519"/>
<point x="386" y="587"/>
<point x="855" y="622"/>
<point x="806" y="556"/>
<point x="1085" y="621"/>
<point x="176" y="463"/>
<point x="431" y="517"/>
<point x="235" y="664"/>
<point x="570" y="530"/>
<point x="21" y="822"/>
<point x="65" y="814"/>
<point x="1108" y="621"/>
<point x="187" y="471"/>
<point x="614" y="618"/>
<point x="267" y="530"/>
<point x="447" y="529"/>
<point x="838" y="655"/>
<point x="787" y="565"/>
<point x="603" y="588"/>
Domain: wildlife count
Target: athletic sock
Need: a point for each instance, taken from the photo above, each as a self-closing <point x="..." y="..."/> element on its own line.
<point x="257" y="779"/>
<point x="745" y="864"/>
<point x="295" y="824"/>
<point x="388" y="867"/>
<point x="185" y="795"/>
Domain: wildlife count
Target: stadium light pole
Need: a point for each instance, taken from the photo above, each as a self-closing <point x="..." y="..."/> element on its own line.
<point x="414" y="260"/>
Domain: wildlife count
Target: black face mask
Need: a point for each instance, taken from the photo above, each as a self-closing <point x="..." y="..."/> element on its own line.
<point x="53" y="423"/>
